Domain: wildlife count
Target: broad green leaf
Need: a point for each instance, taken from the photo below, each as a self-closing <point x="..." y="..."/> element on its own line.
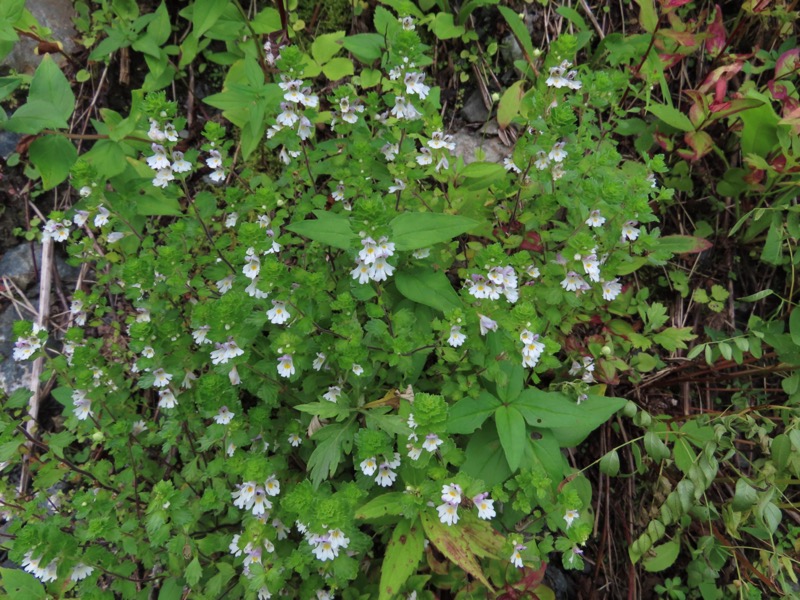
<point x="151" y="206"/>
<point x="648" y="15"/>
<point x="428" y="287"/>
<point x="744" y="497"/>
<point x="34" y="116"/>
<point x="51" y="86"/>
<point x="268" y="20"/>
<point x="571" y="423"/>
<point x="509" y="104"/>
<point x="205" y="14"/>
<point x="411" y="231"/>
<point x="9" y="450"/>
<point x="366" y="47"/>
<point x="324" y="410"/>
<point x="512" y="433"/>
<point x="655" y="446"/>
<point x="780" y="451"/>
<point x="402" y="555"/>
<point x="451" y="542"/>
<point x="484" y="457"/>
<point x="683" y="244"/>
<point x="392" y="503"/>
<point x="671" y="116"/>
<point x="8" y="85"/>
<point x="483" y="171"/>
<point x="609" y="464"/>
<point x="683" y="454"/>
<point x="107" y="157"/>
<point x="466" y="415"/>
<point x="328" y="229"/>
<point x="326" y="46"/>
<point x="19" y="584"/>
<point x="53" y="156"/>
<point x="510" y="380"/>
<point x="663" y="556"/>
<point x="444" y="28"/>
<point x="338" y="68"/>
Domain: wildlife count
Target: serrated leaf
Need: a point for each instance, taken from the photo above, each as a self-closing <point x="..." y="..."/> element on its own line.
<point x="331" y="442"/>
<point x="674" y="338"/>
<point x="671" y="116"/>
<point x="402" y="555"/>
<point x="411" y="231"/>
<point x="193" y="572"/>
<point x="392" y="503"/>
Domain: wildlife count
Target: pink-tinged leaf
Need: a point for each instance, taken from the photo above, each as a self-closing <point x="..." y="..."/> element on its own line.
<point x="670" y="60"/>
<point x="674" y="3"/>
<point x="719" y="78"/>
<point x="682" y="38"/>
<point x="778" y="90"/>
<point x="717" y="37"/>
<point x="683" y="244"/>
<point x="733" y="107"/>
<point x="700" y="143"/>
<point x="698" y="112"/>
<point x="787" y="62"/>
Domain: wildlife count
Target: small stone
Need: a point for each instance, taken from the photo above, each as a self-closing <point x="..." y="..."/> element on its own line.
<point x="474" y="110"/>
<point x="19" y="266"/>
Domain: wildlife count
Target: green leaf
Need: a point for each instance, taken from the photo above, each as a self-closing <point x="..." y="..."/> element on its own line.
<point x="392" y="503"/>
<point x="411" y="231"/>
<point x="655" y="447"/>
<point x="671" y="116"/>
<point x="366" y="47"/>
<point x="756" y="297"/>
<point x="428" y="287"/>
<point x="663" y="556"/>
<point x="520" y="32"/>
<point x="510" y="380"/>
<point x="33" y="116"/>
<point x="483" y="171"/>
<point x="468" y="414"/>
<point x="683" y="244"/>
<point x="512" y="433"/>
<point x="193" y="572"/>
<point x="484" y="458"/>
<point x="205" y="14"/>
<point x="571" y="423"/>
<point x="609" y="464"/>
<point x="328" y="229"/>
<point x="326" y="46"/>
<point x="51" y="86"/>
<point x="444" y="28"/>
<point x="151" y="206"/>
<point x="674" y="338"/>
<point x="8" y="85"/>
<point x="794" y="326"/>
<point x="332" y="441"/>
<point x="9" y="450"/>
<point x="469" y="6"/>
<point x="745" y="496"/>
<point x="53" y="156"/>
<point x="19" y="584"/>
<point x="780" y="451"/>
<point x="648" y="16"/>
<point x="338" y="68"/>
<point x="509" y="104"/>
<point x="403" y="553"/>
<point x="324" y="410"/>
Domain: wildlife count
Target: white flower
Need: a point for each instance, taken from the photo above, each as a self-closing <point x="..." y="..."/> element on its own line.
<point x="487" y="324"/>
<point x="80" y="217"/>
<point x="217" y="176"/>
<point x="421" y="253"/>
<point x="440" y="140"/>
<point x="407" y="23"/>
<point x="432" y="442"/>
<point x="333" y="393"/>
<point x="159" y="159"/>
<point x="319" y="361"/>
<point x="114" y="237"/>
<point x="411" y="422"/>
<point x="485" y="506"/>
<point x="166" y="399"/>
<point x="591" y="266"/>
<point x="542" y="161"/>
<point x="414" y="85"/>
<point x="225" y="284"/>
<point x="516" y="558"/>
<point x="200" y="334"/>
<point x="532" y="350"/>
<point x="84" y="192"/>
<point x="424" y="157"/>
<point x="33" y="566"/>
<point x="283" y="531"/>
<point x="368" y="466"/>
<point x="413" y="452"/>
<point x="338" y="539"/>
<point x="611" y="289"/>
<point x="295" y="440"/>
<point x="214" y="161"/>
<point x="80" y="571"/>
<point x="224" y="416"/>
<point x="325" y="550"/>
<point x="451" y="493"/>
<point x="558" y="154"/>
<point x="278" y="314"/>
<point x="24" y="348"/>
<point x="385" y="476"/>
<point x="230" y="220"/>
<point x="361" y="272"/>
<point x="161" y="378"/>
<point x="629" y="232"/>
<point x="244" y="494"/>
<point x="233" y="376"/>
<point x="170" y="133"/>
<point x="155" y="133"/>
<point x="380" y="270"/>
<point x="570" y="516"/>
<point x="448" y="513"/>
<point x="390" y="151"/>
<point x="82" y="404"/>
<point x="286" y="366"/>
<point x="101" y="218"/>
<point x="272" y="485"/>
<point x="399" y="186"/>
<point x="456" y="337"/>
<point x="56" y="230"/>
<point x="180" y="164"/>
<point x="595" y="219"/>
<point x="252" y="266"/>
<point x="225" y="352"/>
<point x="357" y="369"/>
<point x="508" y="165"/>
<point x="573" y="282"/>
<point x="260" y="502"/>
<point x="556" y="78"/>
<point x="138" y="427"/>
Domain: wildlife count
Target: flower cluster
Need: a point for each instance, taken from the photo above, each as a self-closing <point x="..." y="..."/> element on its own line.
<point x="253" y="497"/>
<point x="296" y="96"/>
<point x="499" y="281"/>
<point x="327" y="546"/>
<point x="438" y="143"/>
<point x="58" y="231"/>
<point x="451" y="498"/>
<point x="26" y="346"/>
<point x="532" y="348"/>
<point x="372" y="263"/>
<point x="386" y="475"/>
<point x="557" y="79"/>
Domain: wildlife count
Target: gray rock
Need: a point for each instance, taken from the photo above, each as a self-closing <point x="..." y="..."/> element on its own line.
<point x="13" y="374"/>
<point x="8" y="141"/>
<point x="474" y="110"/>
<point x="19" y="265"/>
<point x="467" y="142"/>
<point x="56" y="15"/>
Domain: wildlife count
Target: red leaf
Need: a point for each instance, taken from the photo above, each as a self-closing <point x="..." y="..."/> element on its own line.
<point x="718" y="38"/>
<point x="787" y="62"/>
